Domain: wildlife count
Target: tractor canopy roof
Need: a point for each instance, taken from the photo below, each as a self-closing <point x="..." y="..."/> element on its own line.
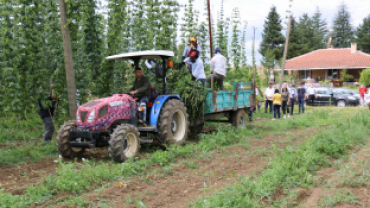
<point x="142" y="55"/>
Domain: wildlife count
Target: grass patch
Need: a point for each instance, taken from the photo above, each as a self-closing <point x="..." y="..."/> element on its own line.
<point x="77" y="178"/>
<point x="342" y="195"/>
<point x="291" y="168"/>
<point x="23" y="154"/>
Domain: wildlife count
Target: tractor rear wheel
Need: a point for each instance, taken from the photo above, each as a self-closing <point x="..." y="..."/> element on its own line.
<point x="124" y="143"/>
<point x="63" y="139"/>
<point x="239" y="118"/>
<point x="173" y="123"/>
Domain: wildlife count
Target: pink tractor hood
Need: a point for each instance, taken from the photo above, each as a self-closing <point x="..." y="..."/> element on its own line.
<point x="105" y="111"/>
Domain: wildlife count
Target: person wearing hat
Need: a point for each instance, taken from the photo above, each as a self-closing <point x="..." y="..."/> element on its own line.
<point x="197" y="67"/>
<point x="189" y="49"/>
<point x="218" y="68"/>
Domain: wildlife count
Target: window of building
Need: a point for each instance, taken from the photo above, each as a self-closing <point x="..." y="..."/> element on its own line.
<point x="332" y="73"/>
<point x="305" y="74"/>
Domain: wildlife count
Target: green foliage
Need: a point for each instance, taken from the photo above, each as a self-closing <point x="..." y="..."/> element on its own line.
<point x="345" y="77"/>
<point x="294" y="46"/>
<point x="320" y="30"/>
<point x="222" y="34"/>
<point x="272" y="39"/>
<point x="342" y="29"/>
<point x="365" y="77"/>
<point x="27" y="153"/>
<point x="363" y="35"/>
<point x="191" y="92"/>
<point x="292" y="168"/>
<point x="342" y="195"/>
<point x="235" y="46"/>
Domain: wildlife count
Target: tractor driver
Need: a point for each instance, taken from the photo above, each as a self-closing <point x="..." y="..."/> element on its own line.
<point x="141" y="91"/>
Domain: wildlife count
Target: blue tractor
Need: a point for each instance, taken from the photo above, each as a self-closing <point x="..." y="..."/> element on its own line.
<point x="113" y="121"/>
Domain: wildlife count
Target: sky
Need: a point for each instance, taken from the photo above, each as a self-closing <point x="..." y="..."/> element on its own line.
<point x="256" y="11"/>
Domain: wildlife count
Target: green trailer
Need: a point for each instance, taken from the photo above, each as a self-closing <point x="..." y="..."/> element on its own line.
<point x="234" y="105"/>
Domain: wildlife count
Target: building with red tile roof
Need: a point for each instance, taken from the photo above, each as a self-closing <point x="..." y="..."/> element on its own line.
<point x="327" y="64"/>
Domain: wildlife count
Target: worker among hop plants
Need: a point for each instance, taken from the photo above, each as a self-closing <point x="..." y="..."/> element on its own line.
<point x="218" y="69"/>
<point x="46" y="113"/>
<point x="197" y="67"/>
<point x="188" y="51"/>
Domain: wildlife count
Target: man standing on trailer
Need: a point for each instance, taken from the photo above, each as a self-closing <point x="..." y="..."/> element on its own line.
<point x="197" y="67"/>
<point x="218" y="69"/>
<point x="189" y="49"/>
<point x="141" y="91"/>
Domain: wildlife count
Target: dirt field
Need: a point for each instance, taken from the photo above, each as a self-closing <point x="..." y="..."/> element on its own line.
<point x="183" y="181"/>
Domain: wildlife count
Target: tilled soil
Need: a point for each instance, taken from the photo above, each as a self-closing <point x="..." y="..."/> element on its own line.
<point x="329" y="176"/>
<point x="184" y="186"/>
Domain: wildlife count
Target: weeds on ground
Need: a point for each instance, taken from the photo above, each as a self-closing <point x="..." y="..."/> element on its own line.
<point x="292" y="168"/>
<point x="76" y="178"/>
<point x="342" y="195"/>
<point x="31" y="153"/>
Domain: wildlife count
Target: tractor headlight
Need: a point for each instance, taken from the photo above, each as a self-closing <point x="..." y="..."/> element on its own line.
<point x="78" y="117"/>
<point x="91" y="116"/>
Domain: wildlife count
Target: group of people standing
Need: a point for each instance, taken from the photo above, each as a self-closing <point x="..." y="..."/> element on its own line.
<point x="285" y="98"/>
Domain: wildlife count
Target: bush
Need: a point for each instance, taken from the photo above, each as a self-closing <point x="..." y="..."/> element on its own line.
<point x="345" y="77"/>
<point x="365" y="77"/>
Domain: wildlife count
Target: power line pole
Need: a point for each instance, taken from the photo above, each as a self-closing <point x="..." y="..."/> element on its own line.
<point x="68" y="60"/>
<point x="210" y="37"/>
<point x="254" y="67"/>
<point x="285" y="52"/>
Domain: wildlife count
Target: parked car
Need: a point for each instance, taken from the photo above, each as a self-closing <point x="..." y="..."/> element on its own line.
<point x="348" y="92"/>
<point x="329" y="97"/>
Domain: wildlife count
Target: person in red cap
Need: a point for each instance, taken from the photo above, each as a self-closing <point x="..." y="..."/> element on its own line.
<point x="197" y="67"/>
<point x="188" y="51"/>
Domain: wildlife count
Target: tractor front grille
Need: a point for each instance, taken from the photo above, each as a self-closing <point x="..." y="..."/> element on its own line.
<point x="83" y="116"/>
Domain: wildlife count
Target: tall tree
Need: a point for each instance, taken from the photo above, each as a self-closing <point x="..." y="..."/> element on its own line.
<point x="295" y="46"/>
<point x="236" y="36"/>
<point x="306" y="33"/>
<point x="363" y="35"/>
<point x="320" y="30"/>
<point x="272" y="39"/>
<point x="342" y="28"/>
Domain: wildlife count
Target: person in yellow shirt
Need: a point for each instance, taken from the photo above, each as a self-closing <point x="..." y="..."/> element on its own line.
<point x="277" y="100"/>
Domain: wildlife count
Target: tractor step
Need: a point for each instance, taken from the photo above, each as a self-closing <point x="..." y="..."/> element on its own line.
<point x="82" y="144"/>
<point x="146" y="128"/>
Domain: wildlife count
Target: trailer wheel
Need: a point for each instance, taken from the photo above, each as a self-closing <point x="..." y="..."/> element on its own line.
<point x="124" y="143"/>
<point x="239" y="118"/>
<point x="173" y="123"/>
<point x="64" y="148"/>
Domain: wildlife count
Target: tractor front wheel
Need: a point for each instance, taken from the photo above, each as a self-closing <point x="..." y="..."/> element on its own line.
<point x="63" y="139"/>
<point x="173" y="123"/>
<point x="124" y="143"/>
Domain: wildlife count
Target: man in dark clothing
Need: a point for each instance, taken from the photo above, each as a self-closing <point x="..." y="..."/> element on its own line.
<point x="47" y="114"/>
<point x="301" y="92"/>
<point x="141" y="91"/>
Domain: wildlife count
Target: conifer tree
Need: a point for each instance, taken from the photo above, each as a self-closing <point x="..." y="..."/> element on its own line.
<point x="235" y="43"/>
<point x="342" y="29"/>
<point x="272" y="39"/>
<point x="363" y="35"/>
<point x="294" y="46"/>
<point x="320" y="30"/>
<point x="306" y="33"/>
